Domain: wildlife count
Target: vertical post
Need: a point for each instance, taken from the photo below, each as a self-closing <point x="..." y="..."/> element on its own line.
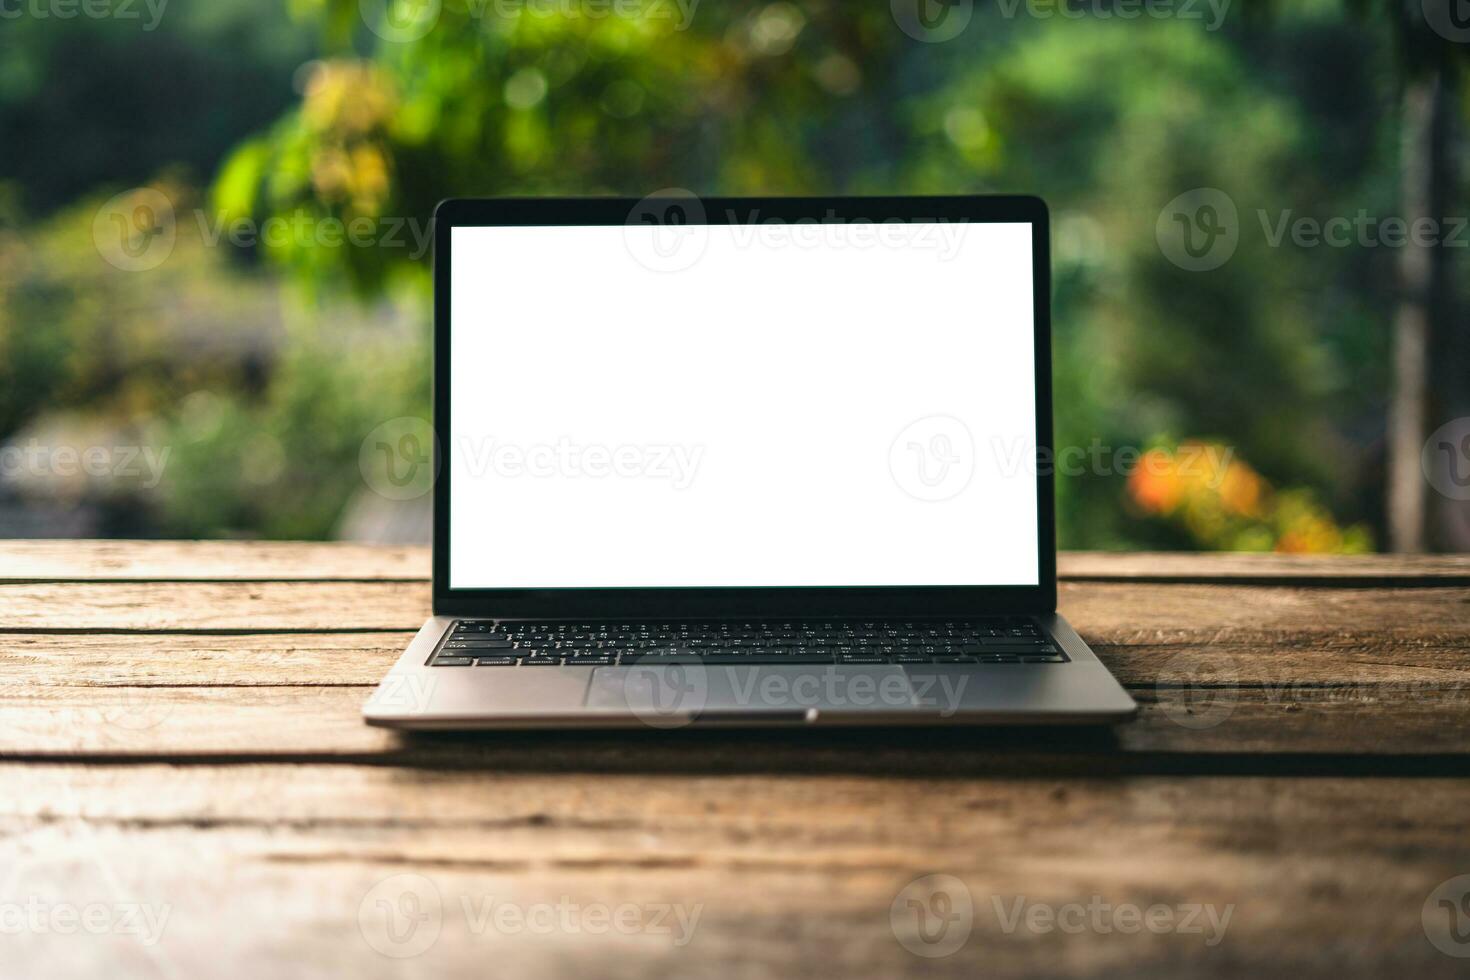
<point x="1413" y="320"/>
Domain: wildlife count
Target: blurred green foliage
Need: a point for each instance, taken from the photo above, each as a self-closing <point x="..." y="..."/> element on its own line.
<point x="1280" y="354"/>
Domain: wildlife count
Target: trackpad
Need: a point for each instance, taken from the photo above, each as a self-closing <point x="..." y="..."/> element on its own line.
<point x="680" y="693"/>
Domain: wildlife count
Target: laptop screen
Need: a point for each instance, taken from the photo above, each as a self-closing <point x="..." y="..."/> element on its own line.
<point x="742" y="405"/>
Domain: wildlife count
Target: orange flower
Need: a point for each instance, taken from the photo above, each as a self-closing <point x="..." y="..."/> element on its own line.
<point x="1155" y="484"/>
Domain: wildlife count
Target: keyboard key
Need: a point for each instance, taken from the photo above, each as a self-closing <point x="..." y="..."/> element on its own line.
<point x="496" y="661"/>
<point x="452" y="661"/>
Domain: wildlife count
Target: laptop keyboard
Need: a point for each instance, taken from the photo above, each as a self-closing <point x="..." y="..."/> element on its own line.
<point x="522" y="643"/>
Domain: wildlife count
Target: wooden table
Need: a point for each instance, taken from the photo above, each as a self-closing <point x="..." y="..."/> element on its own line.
<point x="188" y="792"/>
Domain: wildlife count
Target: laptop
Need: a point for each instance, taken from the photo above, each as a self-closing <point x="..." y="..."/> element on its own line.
<point x="743" y="462"/>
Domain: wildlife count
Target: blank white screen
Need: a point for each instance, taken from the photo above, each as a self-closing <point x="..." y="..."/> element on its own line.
<point x="813" y="409"/>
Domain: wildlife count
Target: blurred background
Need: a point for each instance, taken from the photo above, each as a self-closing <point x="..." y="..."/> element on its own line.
<point x="214" y="264"/>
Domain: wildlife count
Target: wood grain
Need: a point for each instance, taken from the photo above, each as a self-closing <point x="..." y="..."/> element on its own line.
<point x="179" y="729"/>
<point x="1106" y="612"/>
<point x="350" y="658"/>
<point x="73" y="561"/>
<point x="202" y="561"/>
<point x="788" y="876"/>
<point x="1334" y="728"/>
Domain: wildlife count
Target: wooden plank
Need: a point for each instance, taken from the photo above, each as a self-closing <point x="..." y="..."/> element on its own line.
<point x="1312" y="729"/>
<point x="58" y="561"/>
<point x="1110" y="613"/>
<point x="203" y="561"/>
<point x="305" y="659"/>
<point x="1226" y="567"/>
<point x="214" y="606"/>
<point x="772" y="876"/>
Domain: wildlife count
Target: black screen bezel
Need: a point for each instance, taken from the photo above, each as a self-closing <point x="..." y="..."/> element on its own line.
<point x="673" y="602"/>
